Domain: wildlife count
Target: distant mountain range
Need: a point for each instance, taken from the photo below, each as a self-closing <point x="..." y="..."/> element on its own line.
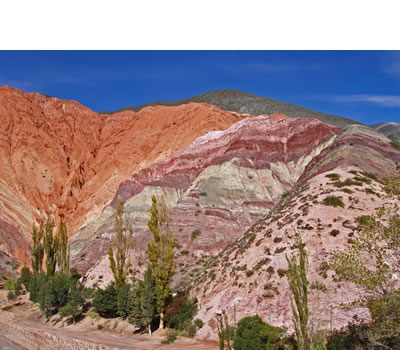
<point x="244" y="103"/>
<point x="390" y="129"/>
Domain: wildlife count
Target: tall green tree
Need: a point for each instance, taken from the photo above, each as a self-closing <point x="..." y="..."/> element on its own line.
<point x="63" y="251"/>
<point x="37" y="250"/>
<point x="122" y="243"/>
<point x="51" y="246"/>
<point x="298" y="283"/>
<point x="161" y="252"/>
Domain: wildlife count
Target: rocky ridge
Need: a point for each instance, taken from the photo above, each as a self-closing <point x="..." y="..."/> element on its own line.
<point x="60" y="158"/>
<point x="216" y="188"/>
<point x="249" y="275"/>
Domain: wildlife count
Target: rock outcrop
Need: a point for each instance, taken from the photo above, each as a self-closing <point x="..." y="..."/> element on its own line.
<point x="249" y="275"/>
<point x="216" y="189"/>
<point x="60" y="158"/>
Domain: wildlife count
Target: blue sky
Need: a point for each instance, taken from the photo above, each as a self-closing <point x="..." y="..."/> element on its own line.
<point x="361" y="85"/>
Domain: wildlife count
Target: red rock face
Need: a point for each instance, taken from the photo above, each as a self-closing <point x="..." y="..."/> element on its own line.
<point x="61" y="158"/>
<point x="218" y="187"/>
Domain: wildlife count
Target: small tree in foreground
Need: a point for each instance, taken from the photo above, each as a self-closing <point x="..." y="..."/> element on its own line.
<point x="122" y="243"/>
<point x="161" y="253"/>
<point x="298" y="283"/>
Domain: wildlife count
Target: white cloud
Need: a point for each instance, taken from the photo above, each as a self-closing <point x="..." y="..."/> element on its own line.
<point x="382" y="100"/>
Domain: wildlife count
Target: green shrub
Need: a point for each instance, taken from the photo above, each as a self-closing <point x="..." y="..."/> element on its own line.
<point x="25" y="277"/>
<point x="71" y="309"/>
<point x="198" y="323"/>
<point x="170" y="336"/>
<point x="180" y="313"/>
<point x="195" y="234"/>
<point x="333" y="176"/>
<point x="14" y="288"/>
<point x="252" y="333"/>
<point x="285" y="194"/>
<point x="333" y="201"/>
<point x="34" y="285"/>
<point x="203" y="194"/>
<point x="347" y="182"/>
<point x="105" y="302"/>
<point x="123" y="296"/>
<point x="395" y="144"/>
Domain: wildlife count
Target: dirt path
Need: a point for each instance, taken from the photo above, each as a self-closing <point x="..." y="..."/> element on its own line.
<point x="21" y="329"/>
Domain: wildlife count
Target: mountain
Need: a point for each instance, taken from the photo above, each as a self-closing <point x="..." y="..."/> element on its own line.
<point x="60" y="158"/>
<point x="248" y="275"/>
<point x="244" y="103"/>
<point x="390" y="129"/>
<point x="216" y="188"/>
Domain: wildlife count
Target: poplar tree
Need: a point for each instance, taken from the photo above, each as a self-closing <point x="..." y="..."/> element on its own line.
<point x="298" y="282"/>
<point x="63" y="251"/>
<point x="37" y="250"/>
<point x="51" y="246"/>
<point x="122" y="243"/>
<point x="161" y="253"/>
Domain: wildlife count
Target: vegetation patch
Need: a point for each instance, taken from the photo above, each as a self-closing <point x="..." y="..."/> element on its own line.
<point x="195" y="234"/>
<point x="333" y="201"/>
<point x="333" y="176"/>
<point x="395" y="144"/>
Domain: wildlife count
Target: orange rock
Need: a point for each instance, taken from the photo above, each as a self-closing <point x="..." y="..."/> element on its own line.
<point x="60" y="158"/>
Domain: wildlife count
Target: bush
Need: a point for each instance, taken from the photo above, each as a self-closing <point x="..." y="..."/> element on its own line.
<point x="195" y="234"/>
<point x="71" y="309"/>
<point x="123" y="300"/>
<point x="333" y="201"/>
<point x="34" y="285"/>
<point x="105" y="302"/>
<point x="395" y="144"/>
<point x="198" y="323"/>
<point x="171" y="336"/>
<point x="25" y="277"/>
<point x="180" y="313"/>
<point x="252" y="333"/>
<point x="14" y="288"/>
<point x="333" y="176"/>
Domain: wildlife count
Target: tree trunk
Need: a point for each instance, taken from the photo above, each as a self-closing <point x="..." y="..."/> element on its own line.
<point x="161" y="320"/>
<point x="150" y="329"/>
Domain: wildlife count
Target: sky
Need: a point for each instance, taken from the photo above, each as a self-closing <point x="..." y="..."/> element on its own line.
<point x="360" y="85"/>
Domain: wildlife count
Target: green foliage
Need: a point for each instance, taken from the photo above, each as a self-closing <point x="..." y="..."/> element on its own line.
<point x="35" y="283"/>
<point x="122" y="243"/>
<point x="105" y="302"/>
<point x="195" y="234"/>
<point x="37" y="250"/>
<point x="285" y="194"/>
<point x="72" y="310"/>
<point x="333" y="201"/>
<point x="253" y="333"/>
<point x="198" y="323"/>
<point x="161" y="252"/>
<point x="371" y="262"/>
<point x="123" y="296"/>
<point x="55" y="293"/>
<point x="180" y="313"/>
<point x="51" y="246"/>
<point x="14" y="288"/>
<point x="333" y="176"/>
<point x="25" y="277"/>
<point x="142" y="302"/>
<point x="298" y="283"/>
<point x="395" y="144"/>
<point x="63" y="249"/>
<point x="171" y="336"/>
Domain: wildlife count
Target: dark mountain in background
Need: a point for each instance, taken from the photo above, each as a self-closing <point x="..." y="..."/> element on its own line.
<point x="390" y="129"/>
<point x="244" y="103"/>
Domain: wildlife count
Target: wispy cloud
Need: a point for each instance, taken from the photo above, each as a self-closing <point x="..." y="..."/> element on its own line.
<point x="272" y="67"/>
<point x="391" y="64"/>
<point x="17" y="84"/>
<point x="382" y="100"/>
